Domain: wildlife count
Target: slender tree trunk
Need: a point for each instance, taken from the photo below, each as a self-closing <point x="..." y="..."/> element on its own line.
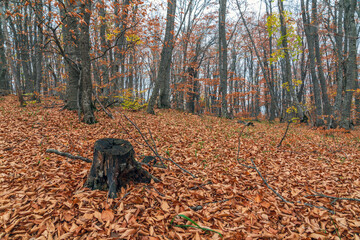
<point x="84" y="56"/>
<point x="325" y="98"/>
<point x="162" y="83"/>
<point x="223" y="58"/>
<point x="4" y="83"/>
<point x="120" y="82"/>
<point x="39" y="53"/>
<point x="104" y="63"/>
<point x="288" y="75"/>
<point x="70" y="37"/>
<point x="339" y="61"/>
<point x="310" y="36"/>
<point x="351" y="63"/>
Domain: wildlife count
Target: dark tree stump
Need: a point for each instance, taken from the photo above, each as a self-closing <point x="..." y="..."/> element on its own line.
<point x="114" y="166"/>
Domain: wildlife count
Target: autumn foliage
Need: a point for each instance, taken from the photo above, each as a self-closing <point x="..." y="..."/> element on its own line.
<point x="42" y="195"/>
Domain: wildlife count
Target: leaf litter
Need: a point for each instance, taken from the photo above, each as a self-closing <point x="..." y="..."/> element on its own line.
<point x="42" y="194"/>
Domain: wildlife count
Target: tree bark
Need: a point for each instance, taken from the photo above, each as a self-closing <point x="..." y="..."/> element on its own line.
<point x="4" y="83"/>
<point x="70" y="37"/>
<point x="223" y="57"/>
<point x="84" y="56"/>
<point x="162" y="83"/>
<point x="325" y="98"/>
<point x="310" y="32"/>
<point x="351" y="63"/>
<point x="288" y="75"/>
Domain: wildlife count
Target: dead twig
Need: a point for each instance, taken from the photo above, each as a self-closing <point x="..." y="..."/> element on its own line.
<point x="278" y="194"/>
<point x="68" y="155"/>
<point x="201" y="185"/>
<point x="199" y="207"/>
<point x="184" y="170"/>
<point x="287" y="128"/>
<point x="103" y="108"/>
<point x="153" y="148"/>
<point x="240" y="134"/>
<point x="264" y="180"/>
<point x="116" y="101"/>
<point x="335" y="199"/>
<point x="157" y="191"/>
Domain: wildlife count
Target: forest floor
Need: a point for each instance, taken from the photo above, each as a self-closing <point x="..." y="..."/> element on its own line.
<point x="42" y="194"/>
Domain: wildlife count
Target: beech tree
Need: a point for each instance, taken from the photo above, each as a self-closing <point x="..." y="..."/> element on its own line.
<point x="162" y="83"/>
<point x="223" y="57"/>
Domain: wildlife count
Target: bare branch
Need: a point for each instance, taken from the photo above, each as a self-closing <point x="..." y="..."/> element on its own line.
<point x="287" y="128"/>
<point x="102" y="106"/>
<point x="153" y="149"/>
<point x="68" y="155"/>
<point x="278" y="194"/>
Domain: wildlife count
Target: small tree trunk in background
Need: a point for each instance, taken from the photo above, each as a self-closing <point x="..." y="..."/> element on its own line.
<point x="165" y="63"/>
<point x="288" y="75"/>
<point x="84" y="56"/>
<point x="104" y="64"/>
<point x="164" y="69"/>
<point x="70" y="37"/>
<point x="223" y="57"/>
<point x="339" y="61"/>
<point x="325" y="98"/>
<point x="120" y="51"/>
<point x="4" y="83"/>
<point x="351" y="64"/>
<point x="309" y="32"/>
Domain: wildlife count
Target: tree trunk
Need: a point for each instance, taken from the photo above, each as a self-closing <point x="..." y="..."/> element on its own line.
<point x="162" y="83"/>
<point x="114" y="166"/>
<point x="39" y="53"/>
<point x="84" y="56"/>
<point x="351" y="64"/>
<point x="223" y="57"/>
<point x="70" y="37"/>
<point x="120" y="52"/>
<point x="104" y="63"/>
<point x="325" y="98"/>
<point x="4" y="83"/>
<point x="309" y="32"/>
<point x="288" y="75"/>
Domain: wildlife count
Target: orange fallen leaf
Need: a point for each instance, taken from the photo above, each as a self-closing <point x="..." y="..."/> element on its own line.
<point x="107" y="215"/>
<point x="165" y="206"/>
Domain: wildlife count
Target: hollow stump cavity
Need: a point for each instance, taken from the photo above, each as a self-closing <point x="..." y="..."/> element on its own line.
<point x="114" y="166"/>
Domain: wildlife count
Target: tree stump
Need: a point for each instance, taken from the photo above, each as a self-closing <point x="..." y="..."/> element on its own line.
<point x="114" y="166"/>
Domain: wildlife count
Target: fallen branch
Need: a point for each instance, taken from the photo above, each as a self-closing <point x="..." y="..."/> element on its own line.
<point x="201" y="185"/>
<point x="68" y="155"/>
<point x="240" y="134"/>
<point x="64" y="154"/>
<point x="264" y="180"/>
<point x="103" y="108"/>
<point x="116" y="101"/>
<point x="184" y="170"/>
<point x="153" y="148"/>
<point x="287" y="128"/>
<point x="199" y="207"/>
<point x="278" y="194"/>
<point x="334" y="198"/>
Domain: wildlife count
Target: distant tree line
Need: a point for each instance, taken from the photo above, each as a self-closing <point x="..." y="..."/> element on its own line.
<point x="201" y="56"/>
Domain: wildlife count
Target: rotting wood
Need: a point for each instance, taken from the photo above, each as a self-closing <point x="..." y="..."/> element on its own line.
<point x="114" y="166"/>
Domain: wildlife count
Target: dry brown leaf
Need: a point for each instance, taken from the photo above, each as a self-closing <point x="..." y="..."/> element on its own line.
<point x="165" y="206"/>
<point x="107" y="215"/>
